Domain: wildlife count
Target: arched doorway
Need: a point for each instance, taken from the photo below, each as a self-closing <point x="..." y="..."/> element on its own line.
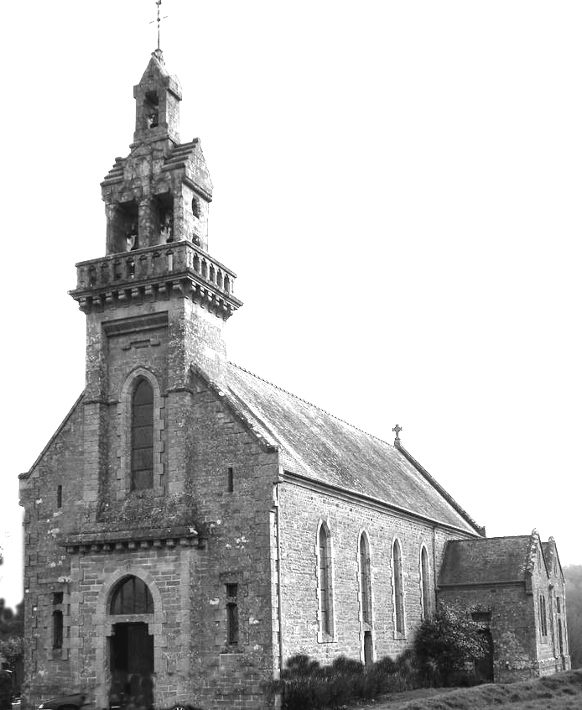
<point x="131" y="647"/>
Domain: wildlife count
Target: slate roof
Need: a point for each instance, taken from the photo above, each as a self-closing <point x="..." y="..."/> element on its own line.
<point x="316" y="445"/>
<point x="485" y="561"/>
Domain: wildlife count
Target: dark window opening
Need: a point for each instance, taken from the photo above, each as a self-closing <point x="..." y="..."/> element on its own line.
<point x="151" y="109"/>
<point x="481" y="617"/>
<point x="231" y="614"/>
<point x="543" y="617"/>
<point x="196" y="207"/>
<point x="57" y="629"/>
<point x="232" y="623"/>
<point x="142" y="437"/>
<point x="57" y="598"/>
<point x="164" y="214"/>
<point x="59" y="496"/>
<point x="124" y="226"/>
<point x="230" y="479"/>
<point x="131" y="596"/>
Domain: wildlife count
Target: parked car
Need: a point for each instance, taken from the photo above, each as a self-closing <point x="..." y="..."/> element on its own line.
<point x="64" y="702"/>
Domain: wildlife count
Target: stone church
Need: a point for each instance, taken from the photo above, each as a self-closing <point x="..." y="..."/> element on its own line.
<point x="190" y="526"/>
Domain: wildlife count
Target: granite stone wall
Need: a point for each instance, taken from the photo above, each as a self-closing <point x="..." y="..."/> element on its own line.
<point x="301" y="510"/>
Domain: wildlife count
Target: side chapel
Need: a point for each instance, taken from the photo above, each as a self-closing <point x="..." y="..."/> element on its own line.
<point x="190" y="526"/>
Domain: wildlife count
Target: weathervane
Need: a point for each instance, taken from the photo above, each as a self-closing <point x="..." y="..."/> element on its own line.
<point x="397" y="429"/>
<point x="158" y="20"/>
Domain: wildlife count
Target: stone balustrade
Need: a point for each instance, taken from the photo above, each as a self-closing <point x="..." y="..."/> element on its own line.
<point x="151" y="263"/>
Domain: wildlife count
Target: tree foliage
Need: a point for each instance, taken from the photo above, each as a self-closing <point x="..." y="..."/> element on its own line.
<point x="12" y="637"/>
<point x="573" y="575"/>
<point x="448" y="644"/>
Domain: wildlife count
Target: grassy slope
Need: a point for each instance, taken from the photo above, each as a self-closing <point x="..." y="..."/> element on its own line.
<point x="562" y="691"/>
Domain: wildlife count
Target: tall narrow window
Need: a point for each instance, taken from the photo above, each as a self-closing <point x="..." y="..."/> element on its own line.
<point x="142" y="436"/>
<point x="398" y="587"/>
<point x="365" y="580"/>
<point x="57" y="629"/>
<point x="57" y="619"/>
<point x="59" y="496"/>
<point x="424" y="583"/>
<point x="232" y="614"/>
<point x="230" y="479"/>
<point x="543" y="616"/>
<point x="325" y="581"/>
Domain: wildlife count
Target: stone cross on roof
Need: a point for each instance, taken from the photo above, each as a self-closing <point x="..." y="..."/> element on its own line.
<point x="397" y="429"/>
<point x="158" y="20"/>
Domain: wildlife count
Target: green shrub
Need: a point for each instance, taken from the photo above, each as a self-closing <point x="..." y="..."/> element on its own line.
<point x="447" y="645"/>
<point x="306" y="685"/>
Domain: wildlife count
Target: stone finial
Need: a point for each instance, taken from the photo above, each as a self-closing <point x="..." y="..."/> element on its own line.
<point x="397" y="429"/>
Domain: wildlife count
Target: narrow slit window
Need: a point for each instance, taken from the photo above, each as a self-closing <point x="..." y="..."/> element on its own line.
<point x="57" y="629"/>
<point x="398" y="587"/>
<point x="424" y="584"/>
<point x="232" y="614"/>
<point x="59" y="496"/>
<point x="365" y="580"/>
<point x="230" y="479"/>
<point x="543" y="617"/>
<point x="325" y="581"/>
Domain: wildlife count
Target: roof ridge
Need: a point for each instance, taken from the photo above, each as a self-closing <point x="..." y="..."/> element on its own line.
<point x="495" y="537"/>
<point x="315" y="406"/>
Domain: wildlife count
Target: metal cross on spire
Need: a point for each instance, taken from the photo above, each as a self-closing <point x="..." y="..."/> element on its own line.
<point x="159" y="20"/>
<point x="397" y="429"/>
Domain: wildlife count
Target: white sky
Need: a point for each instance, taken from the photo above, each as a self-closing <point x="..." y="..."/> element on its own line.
<point x="397" y="186"/>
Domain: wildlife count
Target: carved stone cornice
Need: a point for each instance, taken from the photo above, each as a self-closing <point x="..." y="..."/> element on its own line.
<point x="132" y="540"/>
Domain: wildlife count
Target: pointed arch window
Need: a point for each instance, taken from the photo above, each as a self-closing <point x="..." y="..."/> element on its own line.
<point x="398" y="585"/>
<point x="325" y="581"/>
<point x="142" y="436"/>
<point x="424" y="583"/>
<point x="131" y="596"/>
<point x="57" y="629"/>
<point x="365" y="580"/>
<point x="543" y="616"/>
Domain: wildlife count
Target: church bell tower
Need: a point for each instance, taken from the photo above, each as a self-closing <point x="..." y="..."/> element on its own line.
<point x="155" y="303"/>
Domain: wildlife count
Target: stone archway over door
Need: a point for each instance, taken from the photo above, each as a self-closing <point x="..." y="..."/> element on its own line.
<point x="131" y="647"/>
